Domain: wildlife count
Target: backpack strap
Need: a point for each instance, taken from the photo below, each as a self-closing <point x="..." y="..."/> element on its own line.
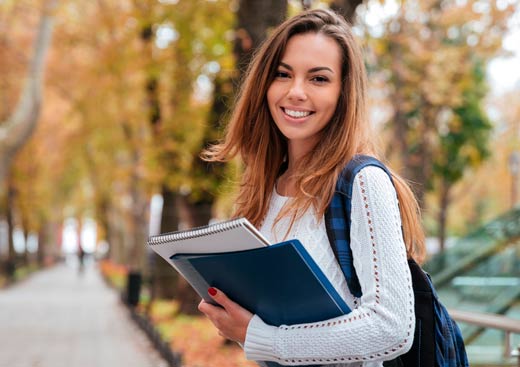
<point x="338" y="218"/>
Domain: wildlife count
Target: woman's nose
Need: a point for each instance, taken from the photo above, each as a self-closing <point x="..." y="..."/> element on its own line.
<point x="297" y="91"/>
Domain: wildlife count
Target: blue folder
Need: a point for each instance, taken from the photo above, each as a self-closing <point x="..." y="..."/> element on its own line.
<point x="280" y="283"/>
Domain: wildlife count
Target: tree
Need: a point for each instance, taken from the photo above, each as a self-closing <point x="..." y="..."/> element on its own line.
<point x="254" y="19"/>
<point x="427" y="54"/>
<point x="180" y="129"/>
<point x="486" y="192"/>
<point x="463" y="144"/>
<point x="191" y="185"/>
<point x="99" y="86"/>
<point x="19" y="125"/>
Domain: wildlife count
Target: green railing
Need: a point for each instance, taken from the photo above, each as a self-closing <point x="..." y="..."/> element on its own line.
<point x="491" y="321"/>
<point x="471" y="249"/>
<point x="480" y="274"/>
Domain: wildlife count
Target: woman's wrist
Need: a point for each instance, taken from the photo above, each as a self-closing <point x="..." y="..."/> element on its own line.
<point x="259" y="343"/>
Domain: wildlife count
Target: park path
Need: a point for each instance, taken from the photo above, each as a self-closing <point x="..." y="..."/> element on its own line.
<point x="61" y="318"/>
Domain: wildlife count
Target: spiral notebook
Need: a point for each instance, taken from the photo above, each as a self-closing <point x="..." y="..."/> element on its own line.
<point x="232" y="235"/>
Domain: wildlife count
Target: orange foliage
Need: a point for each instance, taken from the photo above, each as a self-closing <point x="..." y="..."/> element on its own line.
<point x="200" y="345"/>
<point x="114" y="273"/>
<point x="196" y="338"/>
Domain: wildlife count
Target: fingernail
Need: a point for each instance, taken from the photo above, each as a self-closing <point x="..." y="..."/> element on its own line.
<point x="212" y="291"/>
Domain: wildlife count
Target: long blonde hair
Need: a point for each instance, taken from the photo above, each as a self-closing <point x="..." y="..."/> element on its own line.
<point x="253" y="135"/>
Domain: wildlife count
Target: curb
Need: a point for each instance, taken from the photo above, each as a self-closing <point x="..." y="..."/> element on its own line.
<point x="174" y="359"/>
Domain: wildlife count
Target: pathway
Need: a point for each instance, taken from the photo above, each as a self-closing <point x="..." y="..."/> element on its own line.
<point x="60" y="318"/>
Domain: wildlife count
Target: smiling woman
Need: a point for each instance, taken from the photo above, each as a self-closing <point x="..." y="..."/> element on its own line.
<point x="300" y="118"/>
<point x="304" y="94"/>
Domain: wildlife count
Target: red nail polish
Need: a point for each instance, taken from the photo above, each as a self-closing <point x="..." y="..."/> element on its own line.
<point x="212" y="291"/>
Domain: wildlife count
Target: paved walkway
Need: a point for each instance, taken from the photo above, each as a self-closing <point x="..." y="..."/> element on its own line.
<point x="59" y="318"/>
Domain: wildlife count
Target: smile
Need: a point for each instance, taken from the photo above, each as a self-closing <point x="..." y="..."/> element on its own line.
<point x="296" y="114"/>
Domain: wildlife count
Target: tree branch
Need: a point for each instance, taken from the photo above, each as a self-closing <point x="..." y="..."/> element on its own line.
<point x="18" y="127"/>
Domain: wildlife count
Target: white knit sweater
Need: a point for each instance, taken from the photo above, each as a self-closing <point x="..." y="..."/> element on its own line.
<point x="381" y="324"/>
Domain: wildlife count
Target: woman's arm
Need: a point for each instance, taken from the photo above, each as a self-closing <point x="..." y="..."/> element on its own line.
<point x="382" y="327"/>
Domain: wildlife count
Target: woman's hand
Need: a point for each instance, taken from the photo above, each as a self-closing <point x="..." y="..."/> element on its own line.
<point x="231" y="319"/>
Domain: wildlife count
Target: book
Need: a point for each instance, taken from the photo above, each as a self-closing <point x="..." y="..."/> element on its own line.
<point x="281" y="283"/>
<point x="227" y="236"/>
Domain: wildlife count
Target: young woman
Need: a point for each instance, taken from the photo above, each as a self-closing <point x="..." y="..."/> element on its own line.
<point x="300" y="118"/>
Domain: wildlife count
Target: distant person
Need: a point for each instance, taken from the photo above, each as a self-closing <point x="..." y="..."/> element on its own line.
<point x="81" y="259"/>
<point x="300" y="117"/>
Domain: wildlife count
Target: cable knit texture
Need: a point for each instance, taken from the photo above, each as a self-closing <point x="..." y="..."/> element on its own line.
<point x="381" y="324"/>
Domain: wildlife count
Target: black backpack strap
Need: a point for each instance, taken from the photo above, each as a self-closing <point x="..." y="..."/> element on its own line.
<point x="338" y="217"/>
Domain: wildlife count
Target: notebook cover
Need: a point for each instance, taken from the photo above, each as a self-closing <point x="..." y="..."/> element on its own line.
<point x="280" y="283"/>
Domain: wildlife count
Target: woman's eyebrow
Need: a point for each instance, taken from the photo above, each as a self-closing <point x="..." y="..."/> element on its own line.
<point x="320" y="68"/>
<point x="311" y="70"/>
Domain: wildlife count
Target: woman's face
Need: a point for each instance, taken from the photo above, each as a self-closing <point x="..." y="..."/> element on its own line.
<point x="304" y="94"/>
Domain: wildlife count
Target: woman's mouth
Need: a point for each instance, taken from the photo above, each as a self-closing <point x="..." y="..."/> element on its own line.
<point x="295" y="113"/>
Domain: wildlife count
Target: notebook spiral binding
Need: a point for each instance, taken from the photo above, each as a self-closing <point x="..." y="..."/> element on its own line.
<point x="196" y="232"/>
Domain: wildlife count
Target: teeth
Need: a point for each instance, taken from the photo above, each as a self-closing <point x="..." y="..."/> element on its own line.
<point x="297" y="114"/>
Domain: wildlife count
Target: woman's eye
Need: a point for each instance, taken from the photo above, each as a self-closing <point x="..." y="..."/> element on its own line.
<point x="281" y="74"/>
<point x="320" y="79"/>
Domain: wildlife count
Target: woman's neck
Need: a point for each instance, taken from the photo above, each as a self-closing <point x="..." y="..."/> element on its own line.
<point x="296" y="151"/>
<point x="286" y="183"/>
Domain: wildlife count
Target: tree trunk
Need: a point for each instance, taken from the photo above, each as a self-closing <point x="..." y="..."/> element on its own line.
<point x="18" y="127"/>
<point x="163" y="277"/>
<point x="191" y="215"/>
<point x="347" y="8"/>
<point x="102" y="221"/>
<point x="413" y="158"/>
<point x="139" y="221"/>
<point x="42" y="245"/>
<point x="444" y="201"/>
<point x="116" y="237"/>
<point x="194" y="214"/>
<point x="47" y="243"/>
<point x="26" y="256"/>
<point x="420" y="161"/>
<point x="10" y="262"/>
<point x="255" y="18"/>
<point x="400" y="147"/>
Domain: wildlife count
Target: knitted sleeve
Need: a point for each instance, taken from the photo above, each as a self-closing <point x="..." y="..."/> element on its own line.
<point x="381" y="327"/>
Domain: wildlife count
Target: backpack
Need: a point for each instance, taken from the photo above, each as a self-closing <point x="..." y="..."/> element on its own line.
<point x="437" y="340"/>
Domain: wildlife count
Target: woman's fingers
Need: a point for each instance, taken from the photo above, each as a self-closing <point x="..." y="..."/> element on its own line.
<point x="222" y="299"/>
<point x="231" y="319"/>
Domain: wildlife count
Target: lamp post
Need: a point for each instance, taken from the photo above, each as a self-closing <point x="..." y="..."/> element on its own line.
<point x="514" y="168"/>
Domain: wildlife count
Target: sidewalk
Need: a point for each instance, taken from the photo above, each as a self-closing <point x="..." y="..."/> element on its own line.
<point x="59" y="318"/>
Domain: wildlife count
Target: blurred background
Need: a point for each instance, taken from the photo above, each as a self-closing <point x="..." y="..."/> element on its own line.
<point x="105" y="106"/>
